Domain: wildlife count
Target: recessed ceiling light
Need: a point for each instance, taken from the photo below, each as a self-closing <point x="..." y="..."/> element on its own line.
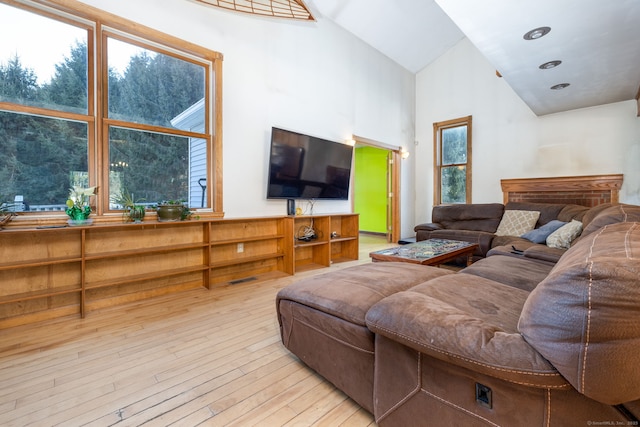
<point x="536" y="33"/>
<point x="549" y="65"/>
<point x="559" y="86"/>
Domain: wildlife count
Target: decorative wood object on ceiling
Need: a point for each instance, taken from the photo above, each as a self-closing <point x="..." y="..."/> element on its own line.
<point x="291" y="9"/>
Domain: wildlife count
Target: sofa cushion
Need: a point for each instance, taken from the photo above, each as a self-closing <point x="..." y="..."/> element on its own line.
<point x="611" y="215"/>
<point x="476" y="216"/>
<point x="570" y="212"/>
<point x="539" y="235"/>
<point x="349" y="293"/>
<point x="584" y="317"/>
<point x="592" y="213"/>
<point x="516" y="271"/>
<point x="520" y="243"/>
<point x="563" y="236"/>
<point x="516" y="222"/>
<point x="544" y="253"/>
<point x="530" y="251"/>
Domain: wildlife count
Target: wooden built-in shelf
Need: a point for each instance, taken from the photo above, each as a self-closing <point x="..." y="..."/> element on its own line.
<point x="52" y="272"/>
<point x="145" y="277"/>
<point x="37" y="263"/>
<point x="337" y="240"/>
<point x="246" y="260"/>
<point x="25" y="296"/>
<point x="137" y="252"/>
<point x="246" y="239"/>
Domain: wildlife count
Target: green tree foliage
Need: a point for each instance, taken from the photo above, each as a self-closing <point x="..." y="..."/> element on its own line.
<point x="68" y="87"/>
<point x="37" y="154"/>
<point x="454" y="145"/>
<point x="18" y="84"/>
<point x="454" y="158"/>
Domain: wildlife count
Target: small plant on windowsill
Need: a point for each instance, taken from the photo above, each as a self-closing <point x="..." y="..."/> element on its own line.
<point x="7" y="212"/>
<point x="78" y="207"/>
<point x="172" y="210"/>
<point x="133" y="210"/>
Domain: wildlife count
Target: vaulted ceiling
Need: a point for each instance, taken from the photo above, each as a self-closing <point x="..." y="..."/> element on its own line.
<point x="597" y="42"/>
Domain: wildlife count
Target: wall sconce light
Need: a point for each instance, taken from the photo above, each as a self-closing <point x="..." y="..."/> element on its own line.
<point x="404" y="153"/>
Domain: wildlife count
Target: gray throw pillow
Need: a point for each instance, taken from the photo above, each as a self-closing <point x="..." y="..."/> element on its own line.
<point x="539" y="235"/>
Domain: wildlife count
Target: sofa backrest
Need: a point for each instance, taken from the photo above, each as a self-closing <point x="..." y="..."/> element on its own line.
<point x="585" y="316"/>
<point x="476" y="216"/>
<point x="548" y="211"/>
<point x="610" y="214"/>
<point x="571" y="212"/>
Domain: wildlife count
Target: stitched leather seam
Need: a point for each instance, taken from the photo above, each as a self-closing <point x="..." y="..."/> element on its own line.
<point x="408" y="396"/>
<point x="588" y="328"/>
<point x="555" y="387"/>
<point x="364" y="350"/>
<point x="437" y="350"/>
<point x="548" y="408"/>
<point x="589" y="261"/>
<point x="627" y="242"/>
<point x="460" y="408"/>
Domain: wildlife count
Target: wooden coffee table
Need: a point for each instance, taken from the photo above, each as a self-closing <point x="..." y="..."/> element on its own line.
<point x="427" y="252"/>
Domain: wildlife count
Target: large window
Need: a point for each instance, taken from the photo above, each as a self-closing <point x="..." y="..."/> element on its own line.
<point x="452" y="161"/>
<point x="85" y="101"/>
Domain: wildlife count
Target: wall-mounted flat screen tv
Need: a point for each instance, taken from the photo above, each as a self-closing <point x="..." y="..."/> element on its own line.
<point x="306" y="167"/>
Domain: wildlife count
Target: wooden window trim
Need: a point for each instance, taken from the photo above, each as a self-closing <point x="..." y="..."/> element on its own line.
<point x="438" y="127"/>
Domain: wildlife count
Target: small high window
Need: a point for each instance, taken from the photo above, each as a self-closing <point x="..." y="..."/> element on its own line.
<point x="452" y="161"/>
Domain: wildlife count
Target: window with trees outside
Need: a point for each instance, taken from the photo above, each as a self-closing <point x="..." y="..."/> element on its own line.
<point x="452" y="161"/>
<point x="90" y="99"/>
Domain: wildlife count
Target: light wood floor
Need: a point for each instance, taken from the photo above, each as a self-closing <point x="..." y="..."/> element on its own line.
<point x="200" y="357"/>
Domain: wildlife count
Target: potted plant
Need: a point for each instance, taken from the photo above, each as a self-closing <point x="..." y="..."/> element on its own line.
<point x="78" y="207"/>
<point x="133" y="210"/>
<point x="172" y="210"/>
<point x="7" y="212"/>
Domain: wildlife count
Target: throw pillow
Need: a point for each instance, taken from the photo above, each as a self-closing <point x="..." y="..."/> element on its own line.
<point x="539" y="235"/>
<point x="563" y="236"/>
<point x="516" y="222"/>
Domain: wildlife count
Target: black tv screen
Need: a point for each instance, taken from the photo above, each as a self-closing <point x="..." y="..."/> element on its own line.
<point x="305" y="167"/>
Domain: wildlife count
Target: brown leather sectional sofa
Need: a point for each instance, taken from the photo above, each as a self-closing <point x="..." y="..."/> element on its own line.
<point x="477" y="223"/>
<point x="511" y="340"/>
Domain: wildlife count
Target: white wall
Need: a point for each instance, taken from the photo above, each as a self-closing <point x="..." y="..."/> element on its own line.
<point x="509" y="141"/>
<point x="310" y="77"/>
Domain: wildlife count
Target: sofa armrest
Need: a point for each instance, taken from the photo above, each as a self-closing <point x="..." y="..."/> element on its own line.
<point x="428" y="226"/>
<point x="431" y="326"/>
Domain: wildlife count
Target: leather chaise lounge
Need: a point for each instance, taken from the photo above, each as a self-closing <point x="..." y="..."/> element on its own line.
<point x="510" y="340"/>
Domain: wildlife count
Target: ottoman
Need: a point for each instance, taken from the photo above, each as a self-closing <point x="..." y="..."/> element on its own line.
<point x="322" y="320"/>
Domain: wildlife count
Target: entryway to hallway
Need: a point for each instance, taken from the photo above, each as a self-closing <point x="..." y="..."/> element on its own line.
<point x="375" y="188"/>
